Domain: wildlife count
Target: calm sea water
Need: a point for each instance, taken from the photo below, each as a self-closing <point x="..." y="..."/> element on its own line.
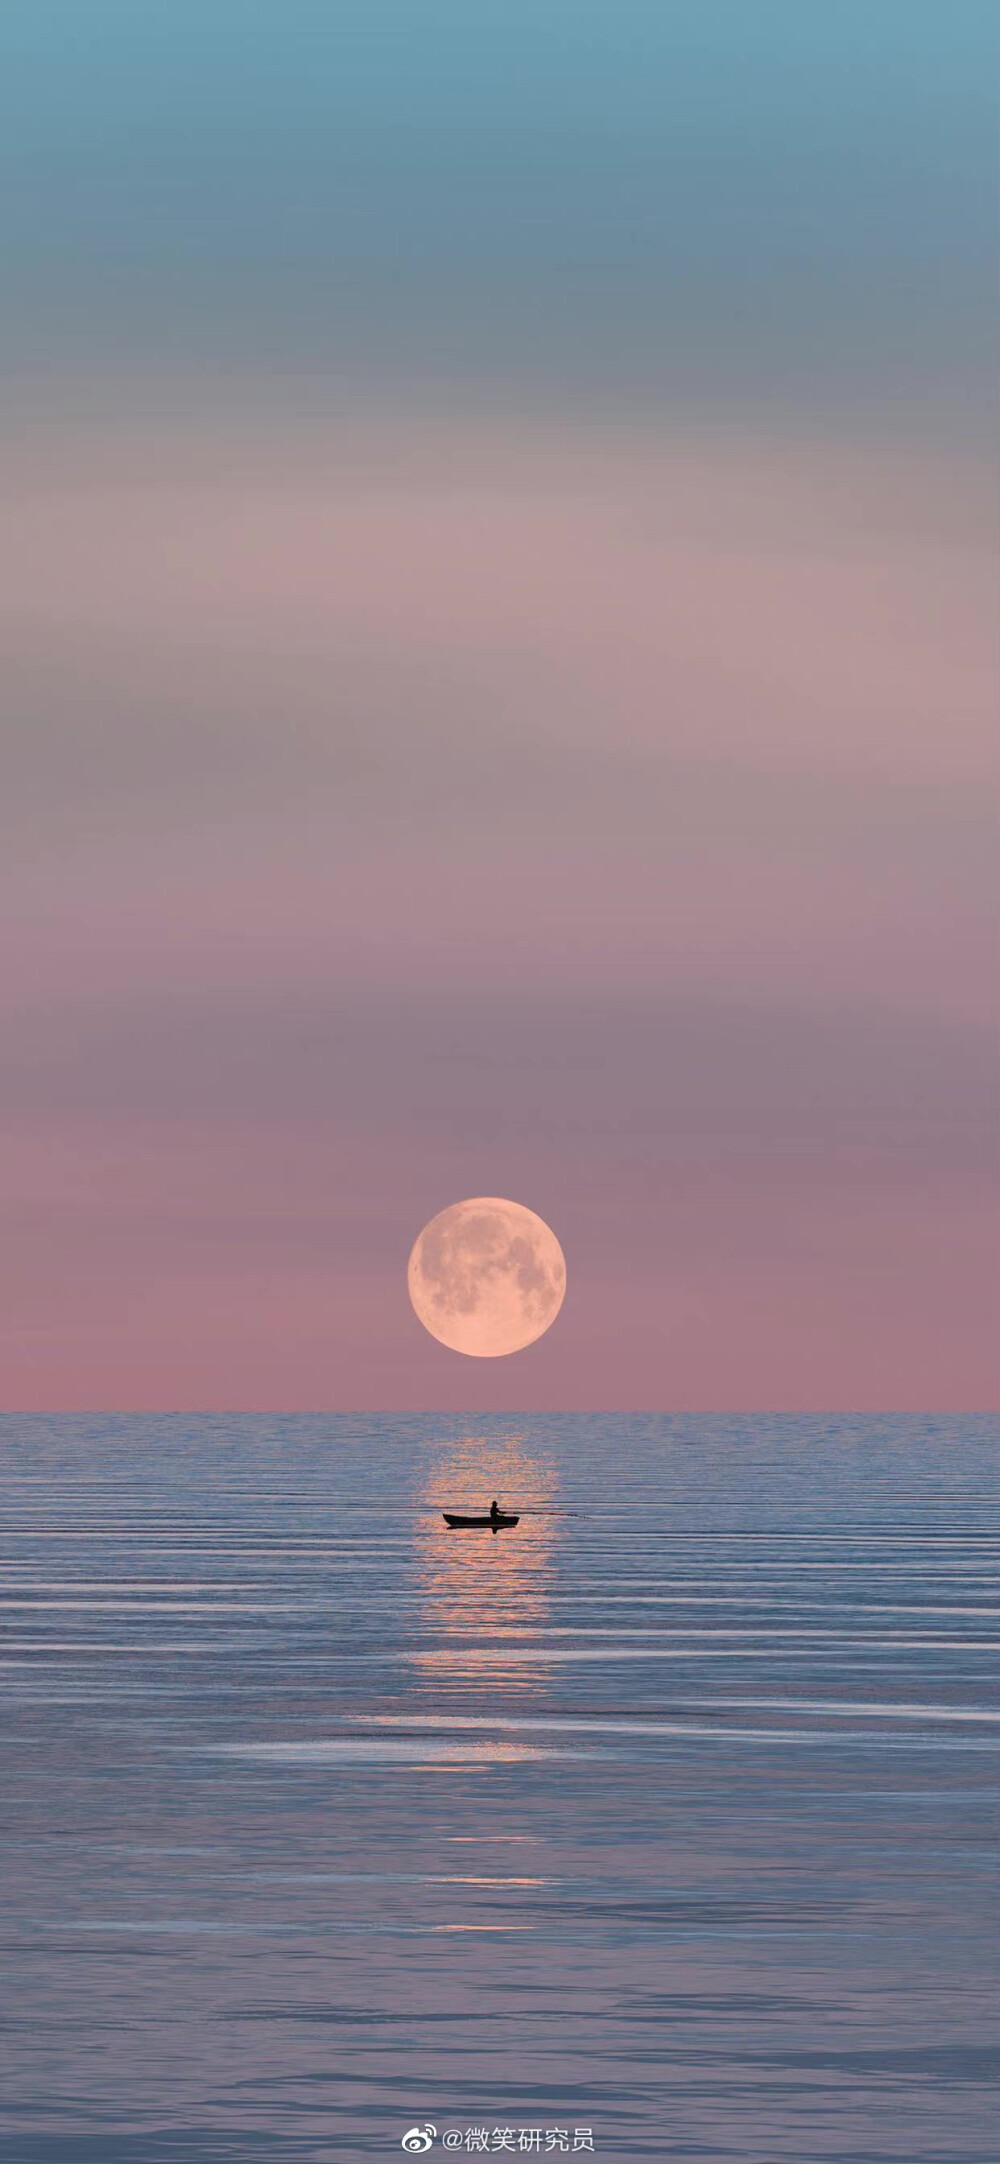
<point x="669" y="1815"/>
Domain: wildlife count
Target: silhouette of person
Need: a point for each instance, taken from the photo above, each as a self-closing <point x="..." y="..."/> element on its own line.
<point x="494" y="1508"/>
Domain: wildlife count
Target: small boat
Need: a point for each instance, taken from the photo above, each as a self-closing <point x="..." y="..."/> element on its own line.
<point x="503" y="1517"/>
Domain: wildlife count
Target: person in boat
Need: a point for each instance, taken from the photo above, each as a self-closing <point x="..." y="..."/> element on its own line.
<point x="494" y="1508"/>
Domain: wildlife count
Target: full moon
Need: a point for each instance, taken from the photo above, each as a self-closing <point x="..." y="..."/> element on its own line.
<point x="487" y="1277"/>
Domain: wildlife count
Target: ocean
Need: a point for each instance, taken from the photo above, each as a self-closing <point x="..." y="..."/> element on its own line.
<point x="661" y="1826"/>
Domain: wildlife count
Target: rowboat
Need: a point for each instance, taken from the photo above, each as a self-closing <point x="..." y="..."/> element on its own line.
<point x="503" y="1517"/>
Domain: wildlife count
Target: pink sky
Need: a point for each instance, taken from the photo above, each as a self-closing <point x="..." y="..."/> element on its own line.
<point x="405" y="811"/>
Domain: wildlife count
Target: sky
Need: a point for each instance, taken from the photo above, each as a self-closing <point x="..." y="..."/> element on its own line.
<point x="497" y="611"/>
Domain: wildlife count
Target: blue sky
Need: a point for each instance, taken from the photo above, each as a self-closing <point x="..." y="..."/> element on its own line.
<point x="783" y="202"/>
